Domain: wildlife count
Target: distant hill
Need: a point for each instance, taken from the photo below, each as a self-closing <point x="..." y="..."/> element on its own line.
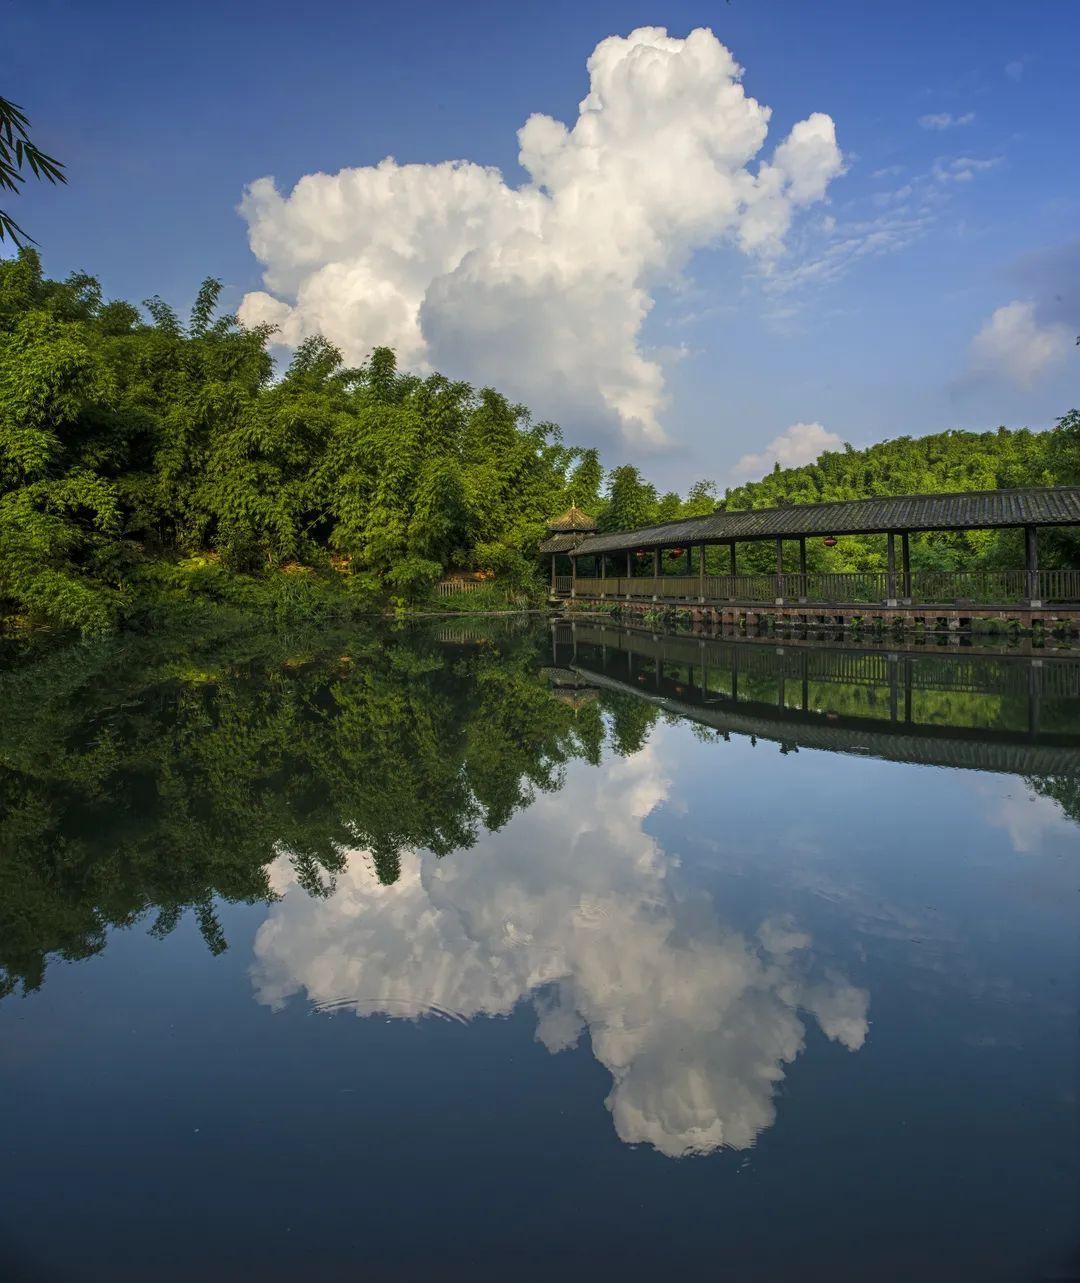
<point x="917" y="465"/>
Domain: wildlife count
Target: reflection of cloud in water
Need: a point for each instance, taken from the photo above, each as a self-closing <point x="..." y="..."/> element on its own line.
<point x="1032" y="822"/>
<point x="572" y="904"/>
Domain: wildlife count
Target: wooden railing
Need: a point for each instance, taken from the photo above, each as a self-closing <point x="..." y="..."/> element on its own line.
<point x="1059" y="585"/>
<point x="563" y="585"/>
<point x="1002" y="587"/>
<point x="450" y="587"/>
<point x="850" y="588"/>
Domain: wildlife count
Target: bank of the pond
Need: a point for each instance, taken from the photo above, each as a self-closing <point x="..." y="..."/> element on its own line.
<point x="834" y="621"/>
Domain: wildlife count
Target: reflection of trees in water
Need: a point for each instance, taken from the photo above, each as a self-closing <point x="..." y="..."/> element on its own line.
<point x="150" y="777"/>
<point x="1063" y="789"/>
<point x="153" y="776"/>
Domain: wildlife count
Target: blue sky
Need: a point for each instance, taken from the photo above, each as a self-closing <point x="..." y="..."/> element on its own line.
<point x="933" y="282"/>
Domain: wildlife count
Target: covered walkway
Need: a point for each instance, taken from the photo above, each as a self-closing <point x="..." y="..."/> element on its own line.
<point x="669" y="563"/>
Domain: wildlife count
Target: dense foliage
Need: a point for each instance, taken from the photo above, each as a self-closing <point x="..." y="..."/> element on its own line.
<point x="142" y="460"/>
<point x="145" y="464"/>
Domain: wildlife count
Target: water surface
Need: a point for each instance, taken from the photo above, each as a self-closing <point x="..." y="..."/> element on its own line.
<point x="485" y="952"/>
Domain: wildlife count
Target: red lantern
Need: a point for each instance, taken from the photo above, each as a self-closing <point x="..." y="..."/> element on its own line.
<point x="675" y="554"/>
<point x="829" y="541"/>
<point x="640" y="554"/>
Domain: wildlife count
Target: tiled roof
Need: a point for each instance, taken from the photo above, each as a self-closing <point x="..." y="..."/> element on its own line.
<point x="562" y="543"/>
<point x="572" y="519"/>
<point x="973" y="510"/>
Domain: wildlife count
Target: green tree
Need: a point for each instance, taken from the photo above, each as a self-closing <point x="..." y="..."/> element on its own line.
<point x="631" y="501"/>
<point x="17" y="150"/>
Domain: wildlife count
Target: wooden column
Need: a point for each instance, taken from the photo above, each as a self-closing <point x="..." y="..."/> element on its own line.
<point x="905" y="567"/>
<point x="553" y="574"/>
<point x="779" y="572"/>
<point x="1031" y="553"/>
<point x="573" y="575"/>
<point x="802" y="568"/>
<point x="732" y="595"/>
<point x="629" y="571"/>
<point x="701" y="572"/>
<point x="655" y="569"/>
<point x="890" y="560"/>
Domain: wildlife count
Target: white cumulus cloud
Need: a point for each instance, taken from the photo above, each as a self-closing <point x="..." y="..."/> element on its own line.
<point x="802" y="443"/>
<point x="543" y="289"/>
<point x="575" y="908"/>
<point x="1014" y="342"/>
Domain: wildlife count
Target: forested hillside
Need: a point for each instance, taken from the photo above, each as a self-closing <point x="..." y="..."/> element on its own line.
<point x="918" y="465"/>
<point x="145" y="463"/>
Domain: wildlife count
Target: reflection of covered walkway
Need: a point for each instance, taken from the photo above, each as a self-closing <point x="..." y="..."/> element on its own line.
<point x="1005" y="713"/>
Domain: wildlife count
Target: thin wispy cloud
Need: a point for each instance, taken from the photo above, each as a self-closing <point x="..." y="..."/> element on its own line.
<point x="962" y="169"/>
<point x="894" y="218"/>
<point x="946" y="120"/>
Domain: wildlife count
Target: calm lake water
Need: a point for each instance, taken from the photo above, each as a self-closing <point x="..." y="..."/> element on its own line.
<point x="482" y="952"/>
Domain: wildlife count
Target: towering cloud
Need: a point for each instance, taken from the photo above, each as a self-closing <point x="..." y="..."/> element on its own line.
<point x="544" y="288"/>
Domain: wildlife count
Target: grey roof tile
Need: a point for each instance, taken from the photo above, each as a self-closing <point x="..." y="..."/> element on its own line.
<point x="973" y="510"/>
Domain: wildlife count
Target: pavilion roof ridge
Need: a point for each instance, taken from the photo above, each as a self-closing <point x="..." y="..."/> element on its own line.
<point x="574" y="518"/>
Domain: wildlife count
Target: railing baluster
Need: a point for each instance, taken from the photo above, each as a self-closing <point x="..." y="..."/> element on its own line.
<point x="945" y="588"/>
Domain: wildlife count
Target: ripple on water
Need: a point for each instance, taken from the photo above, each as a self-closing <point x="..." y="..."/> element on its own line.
<point x="408" y="1008"/>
